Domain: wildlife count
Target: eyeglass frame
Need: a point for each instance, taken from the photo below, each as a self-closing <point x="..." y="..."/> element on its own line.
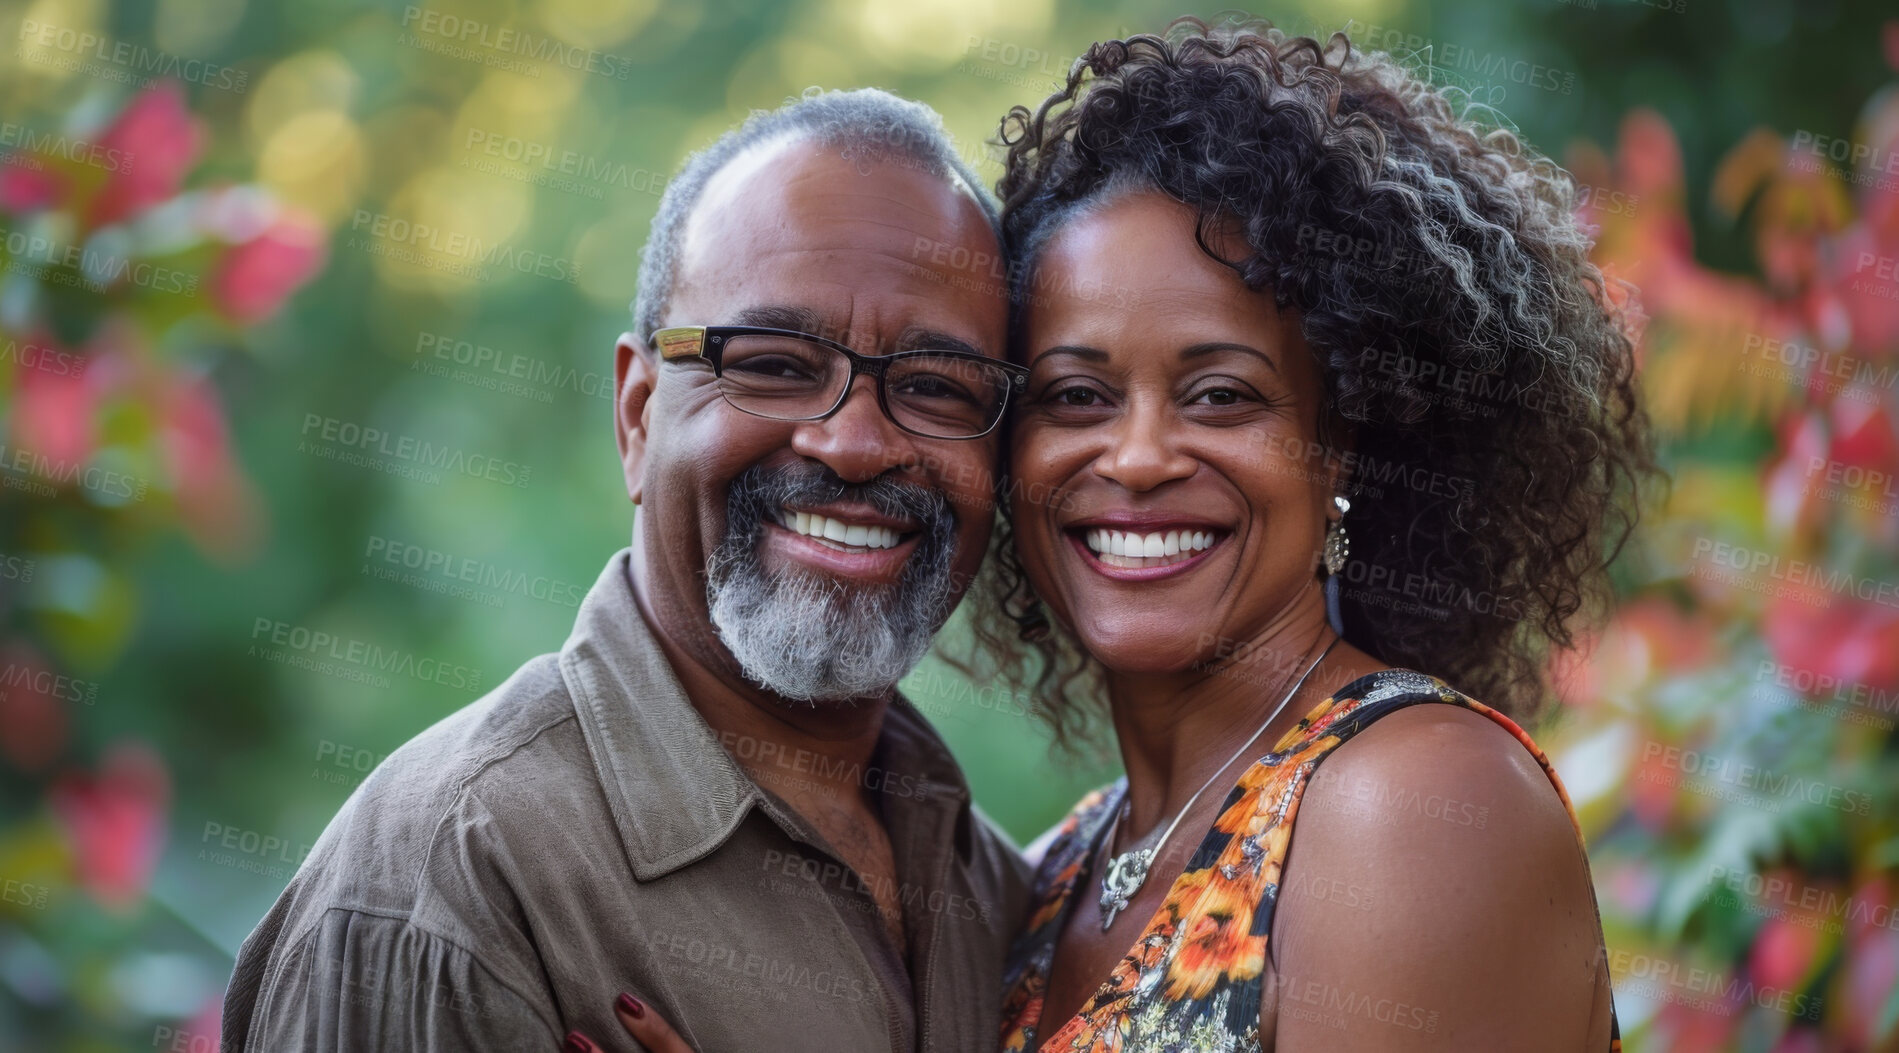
<point x="708" y="342"/>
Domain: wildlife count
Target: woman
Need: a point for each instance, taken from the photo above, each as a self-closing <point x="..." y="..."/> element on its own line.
<point x="1328" y="412"/>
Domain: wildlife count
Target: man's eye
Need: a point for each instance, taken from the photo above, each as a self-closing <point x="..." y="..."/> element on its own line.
<point x="775" y="366"/>
<point x="926" y="386"/>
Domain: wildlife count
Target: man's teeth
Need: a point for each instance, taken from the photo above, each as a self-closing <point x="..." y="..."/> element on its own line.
<point x="857" y="535"/>
<point x="1135" y="549"/>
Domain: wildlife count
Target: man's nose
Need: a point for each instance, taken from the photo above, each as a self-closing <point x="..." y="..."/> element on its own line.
<point x="858" y="442"/>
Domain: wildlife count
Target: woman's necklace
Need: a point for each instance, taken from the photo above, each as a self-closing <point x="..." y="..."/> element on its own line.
<point x="1127" y="872"/>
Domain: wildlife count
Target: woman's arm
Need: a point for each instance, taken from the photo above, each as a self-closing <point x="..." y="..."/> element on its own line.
<point x="1435" y="897"/>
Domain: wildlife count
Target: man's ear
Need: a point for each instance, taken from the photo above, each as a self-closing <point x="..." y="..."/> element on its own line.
<point x="634" y="374"/>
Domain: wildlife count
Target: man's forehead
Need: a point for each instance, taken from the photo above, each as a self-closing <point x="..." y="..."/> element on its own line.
<point x="798" y="192"/>
<point x="871" y="248"/>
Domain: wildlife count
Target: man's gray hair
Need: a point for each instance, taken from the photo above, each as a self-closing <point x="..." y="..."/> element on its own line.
<point x="869" y="123"/>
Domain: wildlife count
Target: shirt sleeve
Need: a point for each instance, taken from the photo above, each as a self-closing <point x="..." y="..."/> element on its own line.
<point x="372" y="983"/>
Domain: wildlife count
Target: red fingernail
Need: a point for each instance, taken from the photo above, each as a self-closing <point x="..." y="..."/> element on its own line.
<point x="579" y="1043"/>
<point x="632" y="1006"/>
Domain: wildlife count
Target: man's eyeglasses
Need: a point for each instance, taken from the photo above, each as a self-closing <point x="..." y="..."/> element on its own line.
<point x="787" y="375"/>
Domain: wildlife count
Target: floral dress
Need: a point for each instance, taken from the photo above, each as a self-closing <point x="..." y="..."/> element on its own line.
<point x="1192" y="981"/>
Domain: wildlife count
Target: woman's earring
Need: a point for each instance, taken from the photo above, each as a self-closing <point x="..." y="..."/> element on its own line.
<point x="1337" y="548"/>
<point x="1337" y="545"/>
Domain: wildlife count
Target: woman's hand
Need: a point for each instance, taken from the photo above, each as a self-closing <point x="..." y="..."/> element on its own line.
<point x="648" y="1028"/>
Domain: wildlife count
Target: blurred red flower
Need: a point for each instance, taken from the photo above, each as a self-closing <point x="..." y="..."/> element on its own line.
<point x="24" y="189"/>
<point x="1830" y="634"/>
<point x="163" y="140"/>
<point x="214" y="498"/>
<point x="114" y="822"/>
<point x="33" y="724"/>
<point x="255" y="278"/>
<point x="54" y="409"/>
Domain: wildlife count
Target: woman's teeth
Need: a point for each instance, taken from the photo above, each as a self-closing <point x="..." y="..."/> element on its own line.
<point x="855" y="535"/>
<point x="1118" y="548"/>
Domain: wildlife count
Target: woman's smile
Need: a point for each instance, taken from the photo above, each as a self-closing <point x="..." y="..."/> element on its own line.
<point x="1144" y="548"/>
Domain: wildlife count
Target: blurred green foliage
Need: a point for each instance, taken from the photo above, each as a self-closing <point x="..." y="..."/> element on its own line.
<point x="531" y="140"/>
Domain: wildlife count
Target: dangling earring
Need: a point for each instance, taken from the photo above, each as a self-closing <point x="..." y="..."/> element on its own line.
<point x="1337" y="547"/>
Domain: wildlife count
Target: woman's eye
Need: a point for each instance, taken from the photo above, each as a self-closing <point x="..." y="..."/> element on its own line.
<point x="1220" y="397"/>
<point x="1075" y="396"/>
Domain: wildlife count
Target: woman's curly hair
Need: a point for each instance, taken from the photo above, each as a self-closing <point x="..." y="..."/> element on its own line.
<point x="1483" y="365"/>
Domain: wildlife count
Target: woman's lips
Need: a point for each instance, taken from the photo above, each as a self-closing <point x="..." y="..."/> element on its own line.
<point x="1145" y="554"/>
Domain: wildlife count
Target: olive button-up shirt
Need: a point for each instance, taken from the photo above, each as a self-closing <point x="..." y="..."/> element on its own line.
<point x="581" y="831"/>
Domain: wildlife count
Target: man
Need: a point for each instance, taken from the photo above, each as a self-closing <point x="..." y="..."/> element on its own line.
<point x="712" y="798"/>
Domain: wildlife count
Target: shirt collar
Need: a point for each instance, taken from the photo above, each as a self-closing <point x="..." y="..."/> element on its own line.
<point x="674" y="792"/>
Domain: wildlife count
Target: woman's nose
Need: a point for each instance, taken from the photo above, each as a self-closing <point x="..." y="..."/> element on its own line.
<point x="1143" y="452"/>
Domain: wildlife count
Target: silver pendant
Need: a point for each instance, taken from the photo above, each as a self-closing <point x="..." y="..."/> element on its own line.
<point x="1126" y="873"/>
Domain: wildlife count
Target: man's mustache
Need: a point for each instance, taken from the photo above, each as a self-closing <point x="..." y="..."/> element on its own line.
<point x="760" y="492"/>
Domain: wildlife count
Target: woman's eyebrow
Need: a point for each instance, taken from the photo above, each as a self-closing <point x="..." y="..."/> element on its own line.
<point x="1092" y="354"/>
<point x="1216" y="346"/>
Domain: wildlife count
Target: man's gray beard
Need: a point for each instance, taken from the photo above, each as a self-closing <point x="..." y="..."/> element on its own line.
<point x="813" y="639"/>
